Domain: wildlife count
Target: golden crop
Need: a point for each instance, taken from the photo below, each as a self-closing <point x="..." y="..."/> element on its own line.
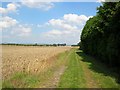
<point x="31" y="59"/>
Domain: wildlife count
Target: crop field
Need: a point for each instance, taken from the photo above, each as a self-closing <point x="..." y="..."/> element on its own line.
<point x="53" y="67"/>
<point x="30" y="59"/>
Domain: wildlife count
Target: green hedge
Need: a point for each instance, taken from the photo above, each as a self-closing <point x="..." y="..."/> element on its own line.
<point x="101" y="35"/>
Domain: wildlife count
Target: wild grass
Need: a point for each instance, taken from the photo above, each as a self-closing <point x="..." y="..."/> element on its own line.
<point x="102" y="74"/>
<point x="86" y="72"/>
<point x="73" y="76"/>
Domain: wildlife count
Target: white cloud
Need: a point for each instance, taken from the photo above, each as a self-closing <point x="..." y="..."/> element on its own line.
<point x="39" y="5"/>
<point x="90" y="16"/>
<point x="69" y="21"/>
<point x="75" y="19"/>
<point x="6" y="22"/>
<point x="101" y="0"/>
<point x="2" y="10"/>
<point x="21" y="31"/>
<point x="60" y="24"/>
<point x="11" y="7"/>
<point x="67" y="29"/>
<point x="53" y="34"/>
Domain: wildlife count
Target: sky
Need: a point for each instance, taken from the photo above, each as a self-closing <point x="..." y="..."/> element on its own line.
<point x="44" y="22"/>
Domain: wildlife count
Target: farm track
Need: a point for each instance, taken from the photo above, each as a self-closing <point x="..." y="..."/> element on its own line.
<point x="54" y="80"/>
<point x="85" y="72"/>
<point x="90" y="82"/>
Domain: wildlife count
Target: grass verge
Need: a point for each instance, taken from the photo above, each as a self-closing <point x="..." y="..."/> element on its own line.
<point x="101" y="74"/>
<point x="84" y="71"/>
<point x="73" y="76"/>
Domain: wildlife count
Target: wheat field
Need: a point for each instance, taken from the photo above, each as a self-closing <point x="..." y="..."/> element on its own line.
<point x="31" y="59"/>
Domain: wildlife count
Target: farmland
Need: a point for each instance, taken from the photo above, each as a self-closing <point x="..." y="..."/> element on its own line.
<point x="28" y="59"/>
<point x="53" y="67"/>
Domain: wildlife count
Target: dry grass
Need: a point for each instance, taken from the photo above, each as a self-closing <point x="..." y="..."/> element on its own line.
<point x="31" y="59"/>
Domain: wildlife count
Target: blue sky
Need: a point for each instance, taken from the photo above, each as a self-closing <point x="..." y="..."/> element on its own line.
<point x="58" y="22"/>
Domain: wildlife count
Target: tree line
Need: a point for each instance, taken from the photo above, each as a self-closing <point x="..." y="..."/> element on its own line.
<point x="64" y="44"/>
<point x="101" y="35"/>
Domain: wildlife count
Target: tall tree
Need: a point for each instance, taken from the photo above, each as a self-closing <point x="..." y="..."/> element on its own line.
<point x="101" y="35"/>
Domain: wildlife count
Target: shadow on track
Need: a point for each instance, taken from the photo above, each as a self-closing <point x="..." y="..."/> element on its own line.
<point x="97" y="66"/>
